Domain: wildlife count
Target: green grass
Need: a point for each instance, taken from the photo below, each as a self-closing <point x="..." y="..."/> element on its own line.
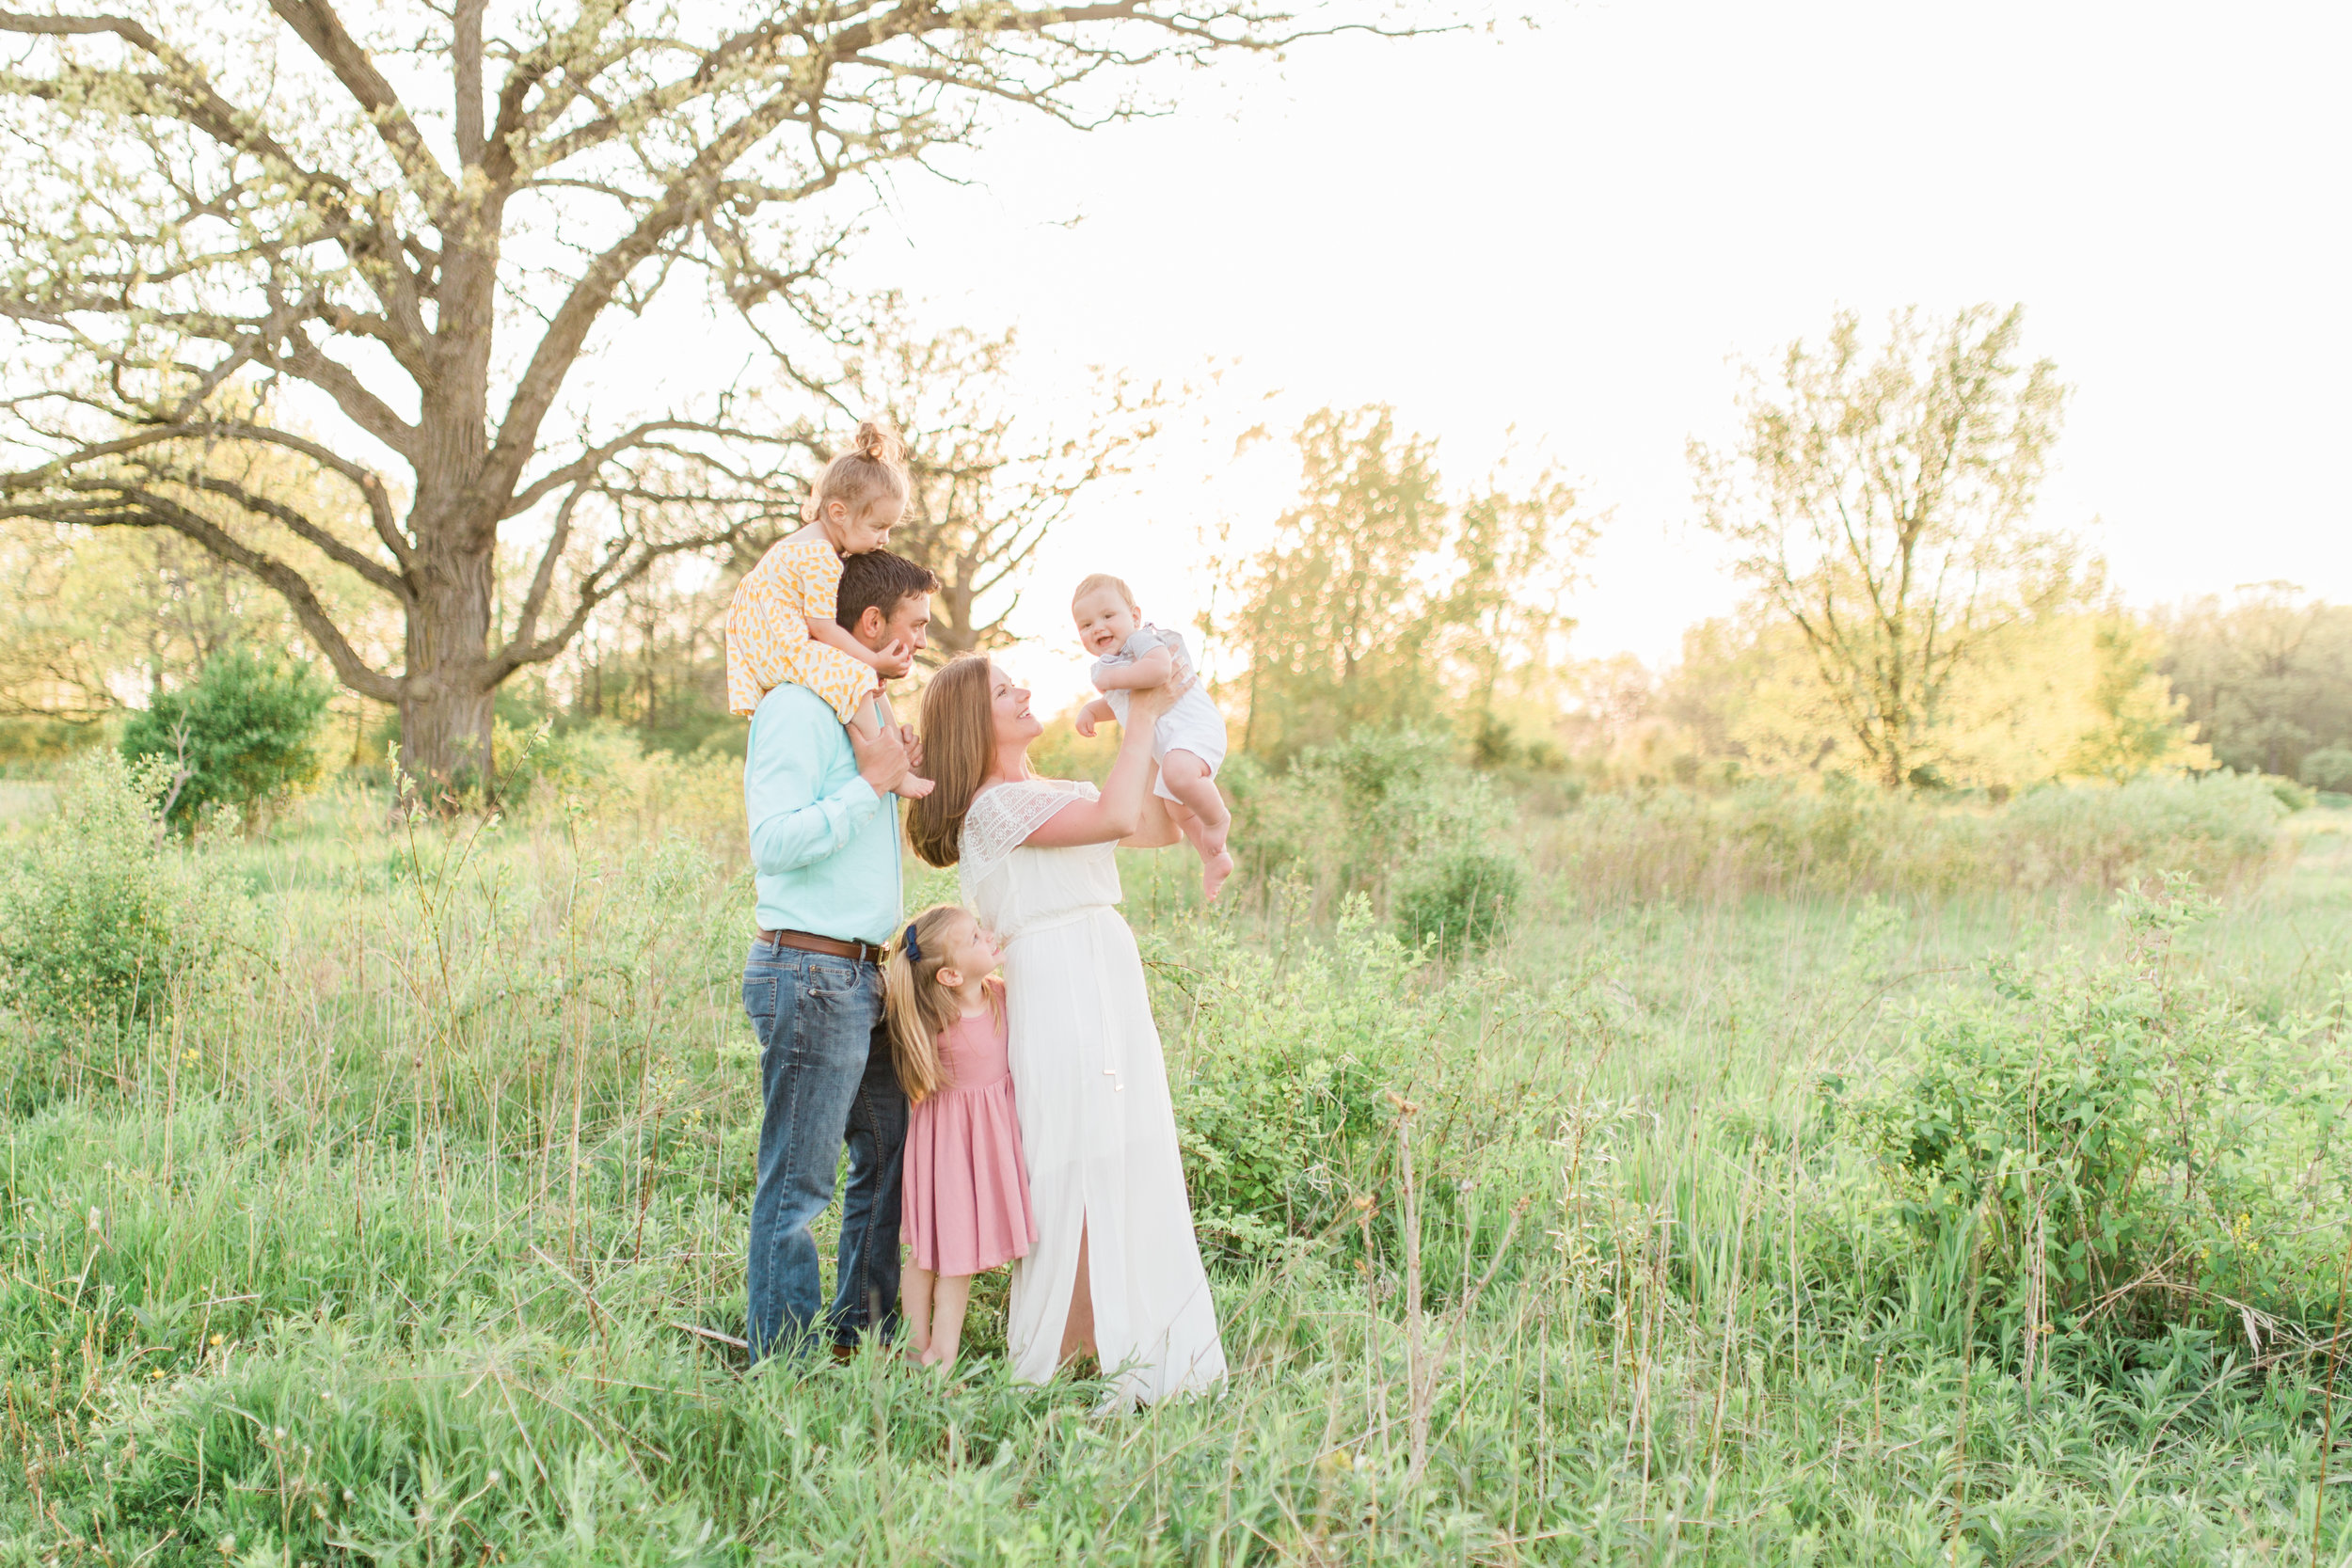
<point x="381" y="1249"/>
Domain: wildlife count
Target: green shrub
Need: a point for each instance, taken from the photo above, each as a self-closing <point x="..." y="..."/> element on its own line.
<point x="602" y="768"/>
<point x="103" y="919"/>
<point x="1392" y="815"/>
<point x="1459" y="900"/>
<point x="2291" y="794"/>
<point x="1280" y="1081"/>
<point x="2121" y="1141"/>
<point x="34" y="747"/>
<point x="1288" y="1067"/>
<point x="2220" y="830"/>
<point x="240" y="734"/>
<point x="1777" y="838"/>
<point x="2328" y="769"/>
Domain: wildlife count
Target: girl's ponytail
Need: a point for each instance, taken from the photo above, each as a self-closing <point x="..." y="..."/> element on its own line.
<point x="918" y="1009"/>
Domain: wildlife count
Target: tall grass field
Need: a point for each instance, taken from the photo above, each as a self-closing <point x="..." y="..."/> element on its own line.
<point x="1757" y="1179"/>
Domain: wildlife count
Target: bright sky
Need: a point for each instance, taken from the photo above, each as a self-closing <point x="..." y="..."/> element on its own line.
<point x="1574" y="230"/>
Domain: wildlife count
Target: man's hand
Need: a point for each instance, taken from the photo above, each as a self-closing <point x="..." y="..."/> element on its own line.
<point x="914" y="748"/>
<point x="882" y="761"/>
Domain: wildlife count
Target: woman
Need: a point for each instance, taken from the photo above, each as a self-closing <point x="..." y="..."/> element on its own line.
<point x="1117" y="1271"/>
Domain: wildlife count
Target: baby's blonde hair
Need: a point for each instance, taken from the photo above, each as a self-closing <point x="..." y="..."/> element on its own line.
<point x="1099" y="581"/>
<point x="874" y="465"/>
<point x="919" y="1009"/>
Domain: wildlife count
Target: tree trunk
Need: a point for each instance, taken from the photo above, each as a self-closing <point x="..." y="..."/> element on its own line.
<point x="445" y="741"/>
<point x="445" y="701"/>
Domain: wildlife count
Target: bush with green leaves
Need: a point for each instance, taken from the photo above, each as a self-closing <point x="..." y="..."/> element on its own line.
<point x="102" y="917"/>
<point x="1395" y="815"/>
<point x="239" y="736"/>
<point x="2221" y="828"/>
<point x="1289" y="1069"/>
<point x="1774" y="837"/>
<point x="603" y="769"/>
<point x="2126" y="1143"/>
<point x="2328" y="769"/>
<point x="1458" y="899"/>
<point x="1279" y="1076"/>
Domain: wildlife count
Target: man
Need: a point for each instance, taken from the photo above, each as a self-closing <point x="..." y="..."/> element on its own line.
<point x="824" y="830"/>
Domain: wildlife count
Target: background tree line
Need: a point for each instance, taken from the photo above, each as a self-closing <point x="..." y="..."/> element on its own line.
<point x="1910" y="622"/>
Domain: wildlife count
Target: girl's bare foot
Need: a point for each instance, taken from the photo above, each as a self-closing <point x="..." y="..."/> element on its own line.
<point x="913" y="788"/>
<point x="1214" y="870"/>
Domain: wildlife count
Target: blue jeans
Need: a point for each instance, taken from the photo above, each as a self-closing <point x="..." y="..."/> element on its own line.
<point x="825" y="1074"/>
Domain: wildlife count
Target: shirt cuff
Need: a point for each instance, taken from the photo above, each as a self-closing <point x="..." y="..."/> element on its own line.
<point x="857" y="801"/>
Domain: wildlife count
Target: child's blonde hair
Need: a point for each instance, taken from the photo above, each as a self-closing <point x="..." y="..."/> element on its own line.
<point x="873" y="466"/>
<point x="1100" y="581"/>
<point x="918" y="1007"/>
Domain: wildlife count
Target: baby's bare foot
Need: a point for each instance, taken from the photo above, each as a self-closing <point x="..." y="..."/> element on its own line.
<point x="913" y="788"/>
<point x="1214" y="870"/>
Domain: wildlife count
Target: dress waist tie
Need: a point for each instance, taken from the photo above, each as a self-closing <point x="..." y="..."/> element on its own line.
<point x="1052" y="923"/>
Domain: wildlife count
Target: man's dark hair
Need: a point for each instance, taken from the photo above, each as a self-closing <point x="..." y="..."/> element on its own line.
<point x="879" y="580"/>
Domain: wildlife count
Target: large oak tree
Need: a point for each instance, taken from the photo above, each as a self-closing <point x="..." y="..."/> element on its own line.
<point x="380" y="240"/>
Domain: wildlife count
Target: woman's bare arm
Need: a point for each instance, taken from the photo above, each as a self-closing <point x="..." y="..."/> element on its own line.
<point x="1127" y="804"/>
<point x="1157" y="829"/>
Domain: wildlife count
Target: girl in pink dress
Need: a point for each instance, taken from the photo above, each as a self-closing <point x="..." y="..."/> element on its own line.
<point x="963" y="1188"/>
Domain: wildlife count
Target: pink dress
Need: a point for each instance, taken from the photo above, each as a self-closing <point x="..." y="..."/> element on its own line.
<point x="964" y="1188"/>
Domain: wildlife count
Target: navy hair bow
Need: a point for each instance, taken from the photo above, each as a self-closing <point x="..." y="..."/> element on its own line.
<point x="912" y="948"/>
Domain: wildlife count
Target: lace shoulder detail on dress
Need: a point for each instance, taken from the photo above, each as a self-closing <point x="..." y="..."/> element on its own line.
<point x="1003" y="816"/>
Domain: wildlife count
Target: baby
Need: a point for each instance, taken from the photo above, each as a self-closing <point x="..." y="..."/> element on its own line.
<point x="1130" y="654"/>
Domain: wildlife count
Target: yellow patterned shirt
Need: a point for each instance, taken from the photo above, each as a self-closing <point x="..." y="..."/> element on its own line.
<point x="767" y="641"/>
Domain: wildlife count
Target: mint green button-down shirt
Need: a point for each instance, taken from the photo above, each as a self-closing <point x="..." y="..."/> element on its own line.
<point x="824" y="846"/>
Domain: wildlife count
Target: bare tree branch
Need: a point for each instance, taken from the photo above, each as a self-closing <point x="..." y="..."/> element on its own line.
<point x="315" y="22"/>
<point x="99" y="504"/>
<point x="209" y="222"/>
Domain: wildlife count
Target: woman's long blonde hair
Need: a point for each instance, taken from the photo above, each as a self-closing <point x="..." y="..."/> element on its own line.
<point x="959" y="744"/>
<point x="919" y="1009"/>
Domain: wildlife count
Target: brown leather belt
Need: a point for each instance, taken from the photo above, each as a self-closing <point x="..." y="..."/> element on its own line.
<point x="808" y="942"/>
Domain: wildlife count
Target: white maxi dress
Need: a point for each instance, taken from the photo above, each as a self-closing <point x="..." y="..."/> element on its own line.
<point x="1096" y="1124"/>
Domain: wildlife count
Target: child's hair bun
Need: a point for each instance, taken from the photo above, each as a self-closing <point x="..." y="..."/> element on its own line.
<point x="873" y="463"/>
<point x="879" y="444"/>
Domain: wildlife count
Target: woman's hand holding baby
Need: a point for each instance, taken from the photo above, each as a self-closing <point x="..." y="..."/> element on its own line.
<point x="1146" y="705"/>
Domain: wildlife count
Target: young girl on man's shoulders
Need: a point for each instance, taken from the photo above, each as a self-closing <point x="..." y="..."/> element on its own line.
<point x="780" y="625"/>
